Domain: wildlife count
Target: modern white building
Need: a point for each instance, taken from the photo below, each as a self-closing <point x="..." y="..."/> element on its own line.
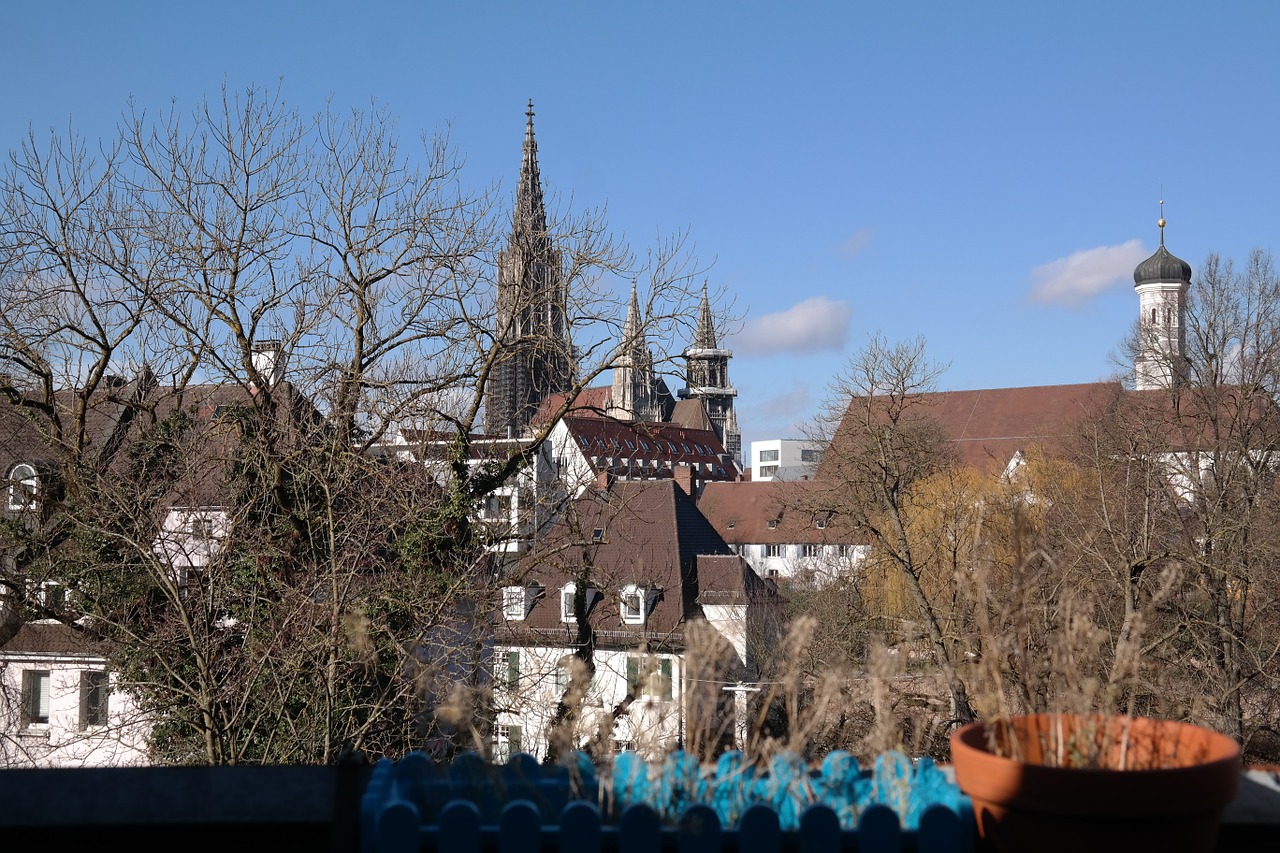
<point x="787" y="459"/>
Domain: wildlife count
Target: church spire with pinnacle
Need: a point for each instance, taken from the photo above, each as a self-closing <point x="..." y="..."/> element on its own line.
<point x="534" y="357"/>
<point x="530" y="215"/>
<point x="634" y="393"/>
<point x="707" y="375"/>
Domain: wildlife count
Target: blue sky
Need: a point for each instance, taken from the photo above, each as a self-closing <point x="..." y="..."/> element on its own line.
<point x="985" y="175"/>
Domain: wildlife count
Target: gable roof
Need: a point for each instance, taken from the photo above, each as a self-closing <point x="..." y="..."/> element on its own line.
<point x="987" y="427"/>
<point x="650" y="535"/>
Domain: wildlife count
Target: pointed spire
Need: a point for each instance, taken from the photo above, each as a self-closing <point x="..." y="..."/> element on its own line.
<point x="530" y="213"/>
<point x="631" y="327"/>
<point x="705" y="337"/>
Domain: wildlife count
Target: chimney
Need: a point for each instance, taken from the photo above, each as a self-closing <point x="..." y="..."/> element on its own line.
<point x="686" y="480"/>
<point x="604" y="480"/>
<point x="268" y="361"/>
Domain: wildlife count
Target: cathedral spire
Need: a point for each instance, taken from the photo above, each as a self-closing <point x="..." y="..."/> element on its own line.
<point x="707" y="375"/>
<point x="705" y="337"/>
<point x="530" y="216"/>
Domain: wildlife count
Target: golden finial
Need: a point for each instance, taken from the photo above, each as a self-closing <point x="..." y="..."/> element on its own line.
<point x="1160" y="222"/>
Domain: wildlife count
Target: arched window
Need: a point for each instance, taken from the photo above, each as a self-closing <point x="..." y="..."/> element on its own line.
<point x="23" y="485"/>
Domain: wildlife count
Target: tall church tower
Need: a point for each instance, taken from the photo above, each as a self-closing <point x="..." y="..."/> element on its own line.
<point x="707" y="375"/>
<point x="535" y="358"/>
<point x="1162" y="281"/>
<point x="635" y="389"/>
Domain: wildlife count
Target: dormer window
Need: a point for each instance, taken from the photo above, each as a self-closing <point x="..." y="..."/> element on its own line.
<point x="732" y="524"/>
<point x="567" y="594"/>
<point x="634" y="604"/>
<point x="773" y="524"/>
<point x="597" y="535"/>
<point x="514" y="606"/>
<point x="820" y="523"/>
<point x="23" y="487"/>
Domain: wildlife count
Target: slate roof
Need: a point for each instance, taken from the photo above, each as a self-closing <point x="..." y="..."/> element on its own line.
<point x="651" y="535"/>
<point x="52" y="638"/>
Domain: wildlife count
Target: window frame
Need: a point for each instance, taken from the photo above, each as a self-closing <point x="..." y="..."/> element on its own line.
<point x="24" y="487"/>
<point x="638" y="597"/>
<point x="37" y="689"/>
<point x="95" y="699"/>
<point x="514" y="603"/>
<point x="775" y="549"/>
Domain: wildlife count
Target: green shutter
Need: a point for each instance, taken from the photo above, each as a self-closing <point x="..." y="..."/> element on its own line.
<point x="633" y="672"/>
<point x="513" y="740"/>
<point x="664" y="668"/>
<point x="513" y="669"/>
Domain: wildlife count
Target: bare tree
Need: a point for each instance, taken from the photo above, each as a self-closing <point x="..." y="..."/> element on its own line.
<point x="279" y="293"/>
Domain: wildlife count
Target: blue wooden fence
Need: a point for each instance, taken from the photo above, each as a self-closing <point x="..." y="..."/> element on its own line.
<point x="678" y="807"/>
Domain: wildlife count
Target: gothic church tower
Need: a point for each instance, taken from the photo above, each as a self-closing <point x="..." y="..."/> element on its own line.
<point x="707" y="375"/>
<point x="635" y="394"/>
<point x="532" y="333"/>
<point x="1162" y="281"/>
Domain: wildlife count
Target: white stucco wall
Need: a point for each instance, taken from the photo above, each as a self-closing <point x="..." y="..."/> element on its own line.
<point x="63" y="742"/>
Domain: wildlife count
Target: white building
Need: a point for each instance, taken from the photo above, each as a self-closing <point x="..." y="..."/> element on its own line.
<point x="613" y="612"/>
<point x="59" y="707"/>
<point x="785" y="459"/>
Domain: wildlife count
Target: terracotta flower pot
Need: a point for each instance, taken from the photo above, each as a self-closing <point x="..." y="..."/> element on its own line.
<point x="1129" y="783"/>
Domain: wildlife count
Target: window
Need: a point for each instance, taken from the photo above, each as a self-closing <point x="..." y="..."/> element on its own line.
<point x="772" y="524"/>
<point x="53" y="596"/>
<point x="813" y="550"/>
<point x="497" y="508"/>
<point x="200" y="527"/>
<point x="620" y="746"/>
<point x="513" y="603"/>
<point x="95" y="687"/>
<point x="630" y="445"/>
<point x="633" y="605"/>
<point x="686" y="447"/>
<point x="506" y="743"/>
<point x="732" y="524"/>
<point x="35" y="697"/>
<point x="563" y="674"/>
<point x="768" y="471"/>
<point x="567" y="594"/>
<point x="773" y="550"/>
<point x="23" y="485"/>
<point x="657" y="680"/>
<point x="820" y="523"/>
<point x="811" y="455"/>
<point x="597" y="534"/>
<point x="768" y="455"/>
<point x="771" y="573"/>
<point x="508" y="669"/>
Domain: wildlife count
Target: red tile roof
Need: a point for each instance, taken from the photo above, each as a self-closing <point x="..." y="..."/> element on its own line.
<point x="608" y="444"/>
<point x="742" y="513"/>
<point x="986" y="427"/>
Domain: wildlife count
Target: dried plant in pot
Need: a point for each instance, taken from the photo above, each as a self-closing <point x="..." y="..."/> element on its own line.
<point x="1050" y="782"/>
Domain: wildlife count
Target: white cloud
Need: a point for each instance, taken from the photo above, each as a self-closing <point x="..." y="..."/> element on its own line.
<point x="1080" y="276"/>
<point x="856" y="242"/>
<point x="814" y="325"/>
<point x="784" y="405"/>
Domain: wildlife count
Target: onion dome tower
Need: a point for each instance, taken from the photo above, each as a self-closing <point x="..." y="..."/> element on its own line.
<point x="1162" y="281"/>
